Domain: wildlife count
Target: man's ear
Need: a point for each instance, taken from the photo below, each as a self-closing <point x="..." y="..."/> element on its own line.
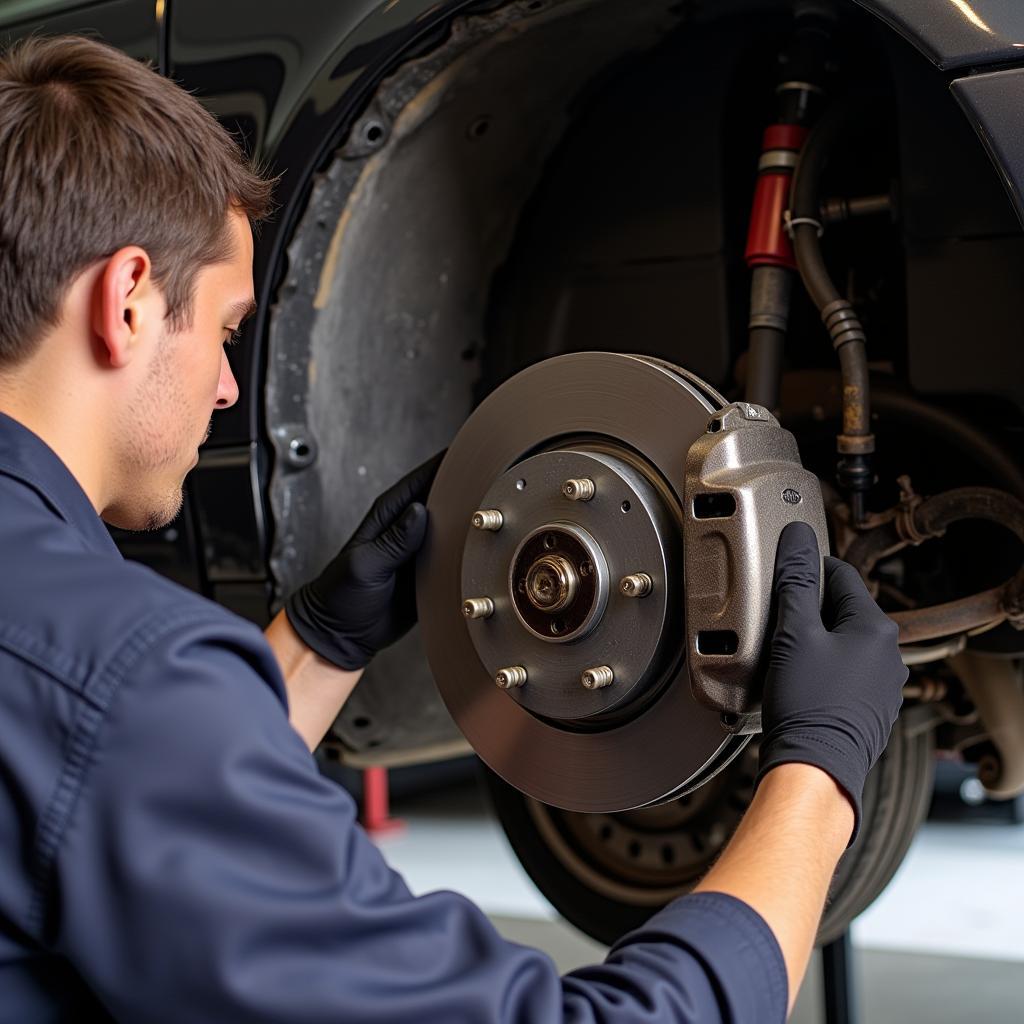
<point x="124" y="304"/>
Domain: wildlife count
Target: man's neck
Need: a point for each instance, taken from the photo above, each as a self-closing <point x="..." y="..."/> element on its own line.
<point x="55" y="414"/>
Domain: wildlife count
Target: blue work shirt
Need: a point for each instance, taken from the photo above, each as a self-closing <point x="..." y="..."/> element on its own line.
<point x="170" y="852"/>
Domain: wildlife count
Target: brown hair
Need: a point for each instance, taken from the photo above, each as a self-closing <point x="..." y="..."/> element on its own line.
<point x="98" y="151"/>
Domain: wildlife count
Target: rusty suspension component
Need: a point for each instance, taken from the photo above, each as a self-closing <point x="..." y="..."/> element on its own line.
<point x="994" y="685"/>
<point x="916" y="520"/>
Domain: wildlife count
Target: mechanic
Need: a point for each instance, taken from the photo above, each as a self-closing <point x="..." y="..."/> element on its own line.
<point x="170" y="852"/>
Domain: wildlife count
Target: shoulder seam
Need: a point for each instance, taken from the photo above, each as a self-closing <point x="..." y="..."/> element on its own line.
<point x="58" y="664"/>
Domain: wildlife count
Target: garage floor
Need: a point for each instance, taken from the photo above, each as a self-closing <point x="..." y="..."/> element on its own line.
<point x="919" y="958"/>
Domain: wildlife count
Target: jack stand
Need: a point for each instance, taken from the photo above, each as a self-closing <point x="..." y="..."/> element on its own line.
<point x="376" y="819"/>
<point x="837" y="968"/>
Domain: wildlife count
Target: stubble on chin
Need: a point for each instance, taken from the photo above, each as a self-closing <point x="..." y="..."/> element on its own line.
<point x="158" y="518"/>
<point x="141" y="513"/>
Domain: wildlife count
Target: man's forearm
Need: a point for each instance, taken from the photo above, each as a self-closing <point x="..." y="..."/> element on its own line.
<point x="317" y="690"/>
<point x="783" y="855"/>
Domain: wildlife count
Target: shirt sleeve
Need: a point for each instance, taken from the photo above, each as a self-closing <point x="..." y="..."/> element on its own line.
<point x="206" y="871"/>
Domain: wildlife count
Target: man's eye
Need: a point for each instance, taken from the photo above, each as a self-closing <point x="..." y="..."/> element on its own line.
<point x="232" y="338"/>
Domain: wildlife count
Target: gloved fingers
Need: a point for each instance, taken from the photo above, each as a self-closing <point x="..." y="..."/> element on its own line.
<point x="392" y="503"/>
<point x="398" y="543"/>
<point x="405" y="597"/>
<point x="797" y="579"/>
<point x="415" y="486"/>
<point x="849" y="606"/>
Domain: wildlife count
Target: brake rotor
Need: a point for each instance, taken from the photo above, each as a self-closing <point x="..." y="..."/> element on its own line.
<point x="550" y="589"/>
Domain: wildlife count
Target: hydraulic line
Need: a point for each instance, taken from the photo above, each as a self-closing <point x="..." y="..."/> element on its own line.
<point x="805" y="390"/>
<point x="856" y="443"/>
<point x="769" y="252"/>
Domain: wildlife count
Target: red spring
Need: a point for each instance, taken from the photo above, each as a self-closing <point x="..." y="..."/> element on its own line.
<point x="767" y="241"/>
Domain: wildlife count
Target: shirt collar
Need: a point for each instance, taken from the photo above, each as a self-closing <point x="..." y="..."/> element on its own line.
<point x="26" y="457"/>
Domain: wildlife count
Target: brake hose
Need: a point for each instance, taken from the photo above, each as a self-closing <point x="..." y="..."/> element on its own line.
<point x="855" y="443"/>
<point x="769" y="251"/>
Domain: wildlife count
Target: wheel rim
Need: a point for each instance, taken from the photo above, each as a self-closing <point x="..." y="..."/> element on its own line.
<point x="651" y="855"/>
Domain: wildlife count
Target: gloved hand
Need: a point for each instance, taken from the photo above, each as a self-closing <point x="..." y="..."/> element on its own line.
<point x="365" y="599"/>
<point x="833" y="688"/>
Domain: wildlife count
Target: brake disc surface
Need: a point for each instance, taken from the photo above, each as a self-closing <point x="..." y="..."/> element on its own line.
<point x="552" y="616"/>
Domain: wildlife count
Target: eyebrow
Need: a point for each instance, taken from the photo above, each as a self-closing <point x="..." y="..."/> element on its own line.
<point x="242" y="310"/>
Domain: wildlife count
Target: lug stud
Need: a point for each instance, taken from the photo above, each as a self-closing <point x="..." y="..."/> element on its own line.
<point x="580" y="489"/>
<point x="478" y="607"/>
<point x="596" y="678"/>
<point x="488" y="519"/>
<point x="507" y="678"/>
<point x="638" y="584"/>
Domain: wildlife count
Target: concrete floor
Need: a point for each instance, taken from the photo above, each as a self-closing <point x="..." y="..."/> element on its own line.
<point x="917" y="957"/>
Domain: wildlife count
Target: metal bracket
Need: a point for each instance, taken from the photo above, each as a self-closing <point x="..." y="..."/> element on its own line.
<point x="744" y="485"/>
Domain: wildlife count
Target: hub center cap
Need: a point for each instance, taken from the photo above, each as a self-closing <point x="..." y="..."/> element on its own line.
<point x="550" y="583"/>
<point x="558" y="579"/>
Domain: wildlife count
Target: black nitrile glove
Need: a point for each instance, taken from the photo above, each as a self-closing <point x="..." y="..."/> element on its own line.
<point x="365" y="599"/>
<point x="833" y="687"/>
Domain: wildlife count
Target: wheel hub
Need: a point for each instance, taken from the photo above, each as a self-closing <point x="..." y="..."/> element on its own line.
<point x="553" y="572"/>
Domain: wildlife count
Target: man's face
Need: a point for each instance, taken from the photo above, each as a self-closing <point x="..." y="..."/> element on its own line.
<point x="184" y="379"/>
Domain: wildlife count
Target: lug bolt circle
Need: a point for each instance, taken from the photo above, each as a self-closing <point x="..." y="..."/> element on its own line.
<point x="597" y="678"/>
<point x="637" y="584"/>
<point x="578" y="489"/>
<point x="478" y="607"/>
<point x="507" y="678"/>
<point x="488" y="519"/>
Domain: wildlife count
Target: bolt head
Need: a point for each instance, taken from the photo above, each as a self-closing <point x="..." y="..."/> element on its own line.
<point x="487" y="519"/>
<point x="597" y="678"/>
<point x="637" y="584"/>
<point x="478" y="607"/>
<point x="506" y="678"/>
<point x="581" y="489"/>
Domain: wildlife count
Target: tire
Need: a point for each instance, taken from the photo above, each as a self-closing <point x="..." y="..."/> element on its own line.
<point x="601" y="872"/>
<point x="896" y="799"/>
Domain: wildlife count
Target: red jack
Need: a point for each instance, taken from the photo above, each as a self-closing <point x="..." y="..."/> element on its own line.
<point x="376" y="817"/>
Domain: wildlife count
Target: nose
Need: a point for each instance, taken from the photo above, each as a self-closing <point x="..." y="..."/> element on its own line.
<point x="227" y="386"/>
